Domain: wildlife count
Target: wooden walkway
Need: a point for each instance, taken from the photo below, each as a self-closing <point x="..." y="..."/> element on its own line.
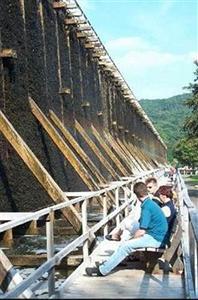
<point x="128" y="281"/>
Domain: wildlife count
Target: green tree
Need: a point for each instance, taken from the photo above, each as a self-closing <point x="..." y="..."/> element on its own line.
<point x="191" y="122"/>
<point x="187" y="148"/>
<point x="186" y="152"/>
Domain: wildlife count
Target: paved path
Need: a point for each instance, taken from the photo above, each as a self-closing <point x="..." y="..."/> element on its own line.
<point x="192" y="190"/>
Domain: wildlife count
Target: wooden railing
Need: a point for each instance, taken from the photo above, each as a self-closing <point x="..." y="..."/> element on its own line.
<point x="189" y="218"/>
<point x="121" y="189"/>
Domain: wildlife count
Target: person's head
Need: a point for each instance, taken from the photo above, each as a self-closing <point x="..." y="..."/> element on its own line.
<point x="165" y="193"/>
<point x="140" y="190"/>
<point x="151" y="184"/>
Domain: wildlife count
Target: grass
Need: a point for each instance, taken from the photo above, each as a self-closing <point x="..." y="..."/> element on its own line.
<point x="193" y="178"/>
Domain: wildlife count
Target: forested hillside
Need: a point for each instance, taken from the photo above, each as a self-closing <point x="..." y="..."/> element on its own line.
<point x="167" y="115"/>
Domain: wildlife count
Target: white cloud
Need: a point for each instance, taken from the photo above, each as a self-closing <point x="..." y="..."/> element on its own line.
<point x="150" y="71"/>
<point x="128" y="43"/>
<point x="136" y="53"/>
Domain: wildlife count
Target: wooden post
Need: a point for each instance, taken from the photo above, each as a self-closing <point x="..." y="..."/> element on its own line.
<point x="50" y="252"/>
<point x="9" y="277"/>
<point x="84" y="229"/>
<point x="8" y="238"/>
<point x="32" y="230"/>
<point x="126" y="191"/>
<point x="117" y="205"/>
<point x="104" y="197"/>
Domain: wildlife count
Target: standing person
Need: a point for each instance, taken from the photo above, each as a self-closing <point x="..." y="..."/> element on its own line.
<point x="151" y="233"/>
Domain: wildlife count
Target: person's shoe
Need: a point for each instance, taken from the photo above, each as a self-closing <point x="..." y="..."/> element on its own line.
<point x="111" y="238"/>
<point x="93" y="271"/>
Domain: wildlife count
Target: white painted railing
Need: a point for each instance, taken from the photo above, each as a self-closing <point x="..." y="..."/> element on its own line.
<point x="125" y="186"/>
<point x="189" y="218"/>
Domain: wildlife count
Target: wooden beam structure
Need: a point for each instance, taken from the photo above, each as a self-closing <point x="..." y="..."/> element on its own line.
<point x="38" y="170"/>
<point x="130" y="154"/>
<point x="109" y="152"/>
<point x="10" y="277"/>
<point x="96" y="150"/>
<point x="62" y="146"/>
<point x="128" y="160"/>
<point x="8" y="53"/>
<point x="78" y="149"/>
<point x="58" y="5"/>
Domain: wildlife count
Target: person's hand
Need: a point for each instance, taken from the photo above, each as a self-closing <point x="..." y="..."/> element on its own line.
<point x="139" y="233"/>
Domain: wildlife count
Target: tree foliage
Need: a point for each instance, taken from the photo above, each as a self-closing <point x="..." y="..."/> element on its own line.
<point x="186" y="149"/>
<point x="168" y="116"/>
<point x="191" y="122"/>
<point x="186" y="152"/>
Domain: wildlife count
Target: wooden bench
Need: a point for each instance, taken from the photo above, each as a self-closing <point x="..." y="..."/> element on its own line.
<point x="168" y="258"/>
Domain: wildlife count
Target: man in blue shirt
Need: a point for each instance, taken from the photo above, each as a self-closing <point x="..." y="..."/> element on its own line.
<point x="151" y="233"/>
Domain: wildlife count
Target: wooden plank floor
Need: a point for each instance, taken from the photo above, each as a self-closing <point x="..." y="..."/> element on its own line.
<point x="124" y="282"/>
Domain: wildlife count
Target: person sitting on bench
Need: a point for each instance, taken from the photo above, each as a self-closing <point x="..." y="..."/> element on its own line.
<point x="131" y="223"/>
<point x="151" y="233"/>
<point x="166" y="196"/>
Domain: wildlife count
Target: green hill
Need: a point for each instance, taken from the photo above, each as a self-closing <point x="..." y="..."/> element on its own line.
<point x="167" y="115"/>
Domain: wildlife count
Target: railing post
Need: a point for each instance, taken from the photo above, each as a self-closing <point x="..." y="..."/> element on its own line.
<point x="84" y="229"/>
<point x="117" y="205"/>
<point x="126" y="211"/>
<point x="104" y="198"/>
<point x="50" y="251"/>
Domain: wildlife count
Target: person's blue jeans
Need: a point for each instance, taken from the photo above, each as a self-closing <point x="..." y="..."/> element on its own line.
<point x="125" y="249"/>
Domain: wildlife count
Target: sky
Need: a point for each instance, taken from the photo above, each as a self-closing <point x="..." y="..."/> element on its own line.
<point x="152" y="42"/>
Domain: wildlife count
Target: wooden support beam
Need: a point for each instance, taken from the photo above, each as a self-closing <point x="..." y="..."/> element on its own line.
<point x="8" y="53"/>
<point x="137" y="154"/>
<point x="85" y="28"/>
<point x="96" y="150"/>
<point x="129" y="154"/>
<point x="70" y="21"/>
<point x="66" y="91"/>
<point x="96" y="55"/>
<point x="118" y="150"/>
<point x="38" y="170"/>
<point x="79" y="150"/>
<point x="85" y="104"/>
<point x="10" y="277"/>
<point x="58" y="5"/>
<point x="8" y="238"/>
<point x="32" y="229"/>
<point x="99" y="113"/>
<point x="109" y="152"/>
<point x="35" y="260"/>
<point x="62" y="146"/>
<point x="81" y="35"/>
<point x="70" y="6"/>
<point x="89" y="46"/>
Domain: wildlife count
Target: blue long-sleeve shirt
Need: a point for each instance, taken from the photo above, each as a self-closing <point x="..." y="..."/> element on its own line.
<point x="152" y="220"/>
